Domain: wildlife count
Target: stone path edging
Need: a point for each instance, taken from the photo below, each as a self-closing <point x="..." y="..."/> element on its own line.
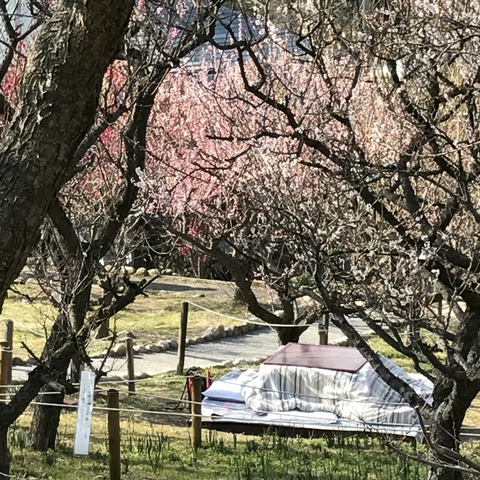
<point x="209" y="335"/>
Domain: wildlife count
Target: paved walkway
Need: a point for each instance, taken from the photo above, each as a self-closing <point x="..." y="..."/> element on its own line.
<point x="252" y="346"/>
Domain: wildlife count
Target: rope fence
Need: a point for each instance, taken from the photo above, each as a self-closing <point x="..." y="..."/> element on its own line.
<point x="260" y="323"/>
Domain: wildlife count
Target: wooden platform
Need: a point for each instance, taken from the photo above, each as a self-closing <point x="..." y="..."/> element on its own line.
<point x="467" y="433"/>
<point x="284" y="431"/>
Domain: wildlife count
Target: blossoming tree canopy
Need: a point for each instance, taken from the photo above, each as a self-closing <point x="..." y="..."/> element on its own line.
<point x="384" y="118"/>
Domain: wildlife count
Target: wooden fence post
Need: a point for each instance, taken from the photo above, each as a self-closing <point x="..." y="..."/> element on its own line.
<point x="114" y="434"/>
<point x="130" y="366"/>
<point x="6" y="344"/>
<point x="196" y="410"/>
<point x="182" y="338"/>
<point x="323" y="329"/>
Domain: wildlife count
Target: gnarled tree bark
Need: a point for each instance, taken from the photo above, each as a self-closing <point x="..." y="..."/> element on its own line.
<point x="59" y="95"/>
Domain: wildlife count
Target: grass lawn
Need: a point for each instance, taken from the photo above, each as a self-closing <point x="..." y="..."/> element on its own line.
<point x="156" y="455"/>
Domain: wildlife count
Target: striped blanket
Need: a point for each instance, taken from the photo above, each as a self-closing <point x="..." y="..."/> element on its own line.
<point x="361" y="396"/>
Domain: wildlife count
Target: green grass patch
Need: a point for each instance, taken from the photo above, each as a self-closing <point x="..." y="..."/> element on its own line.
<point x="394" y="355"/>
<point x="159" y="454"/>
<point x="33" y="316"/>
<point x="382" y="347"/>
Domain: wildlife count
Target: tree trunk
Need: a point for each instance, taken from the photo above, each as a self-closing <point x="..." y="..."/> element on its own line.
<point x="289" y="334"/>
<point x="451" y="402"/>
<point x="79" y="270"/>
<point x="442" y="433"/>
<point x="45" y="421"/>
<point x="104" y="329"/>
<point x="59" y="96"/>
<point x="4" y="452"/>
<point x="10" y="412"/>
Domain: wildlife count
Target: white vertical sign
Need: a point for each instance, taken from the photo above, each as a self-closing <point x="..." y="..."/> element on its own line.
<point x="84" y="413"/>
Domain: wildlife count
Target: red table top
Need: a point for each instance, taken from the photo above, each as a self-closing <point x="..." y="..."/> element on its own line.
<point x="330" y="357"/>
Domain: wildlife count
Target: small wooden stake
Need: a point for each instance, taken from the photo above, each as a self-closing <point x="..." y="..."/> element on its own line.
<point x="114" y="434"/>
<point x="6" y="344"/>
<point x="130" y="366"/>
<point x="182" y="338"/>
<point x="323" y="329"/>
<point x="440" y="308"/>
<point x="196" y="412"/>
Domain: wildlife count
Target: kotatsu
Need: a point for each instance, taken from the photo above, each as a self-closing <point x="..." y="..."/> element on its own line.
<point x="315" y="387"/>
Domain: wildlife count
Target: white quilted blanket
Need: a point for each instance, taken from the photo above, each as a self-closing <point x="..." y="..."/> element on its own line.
<point x="361" y="396"/>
